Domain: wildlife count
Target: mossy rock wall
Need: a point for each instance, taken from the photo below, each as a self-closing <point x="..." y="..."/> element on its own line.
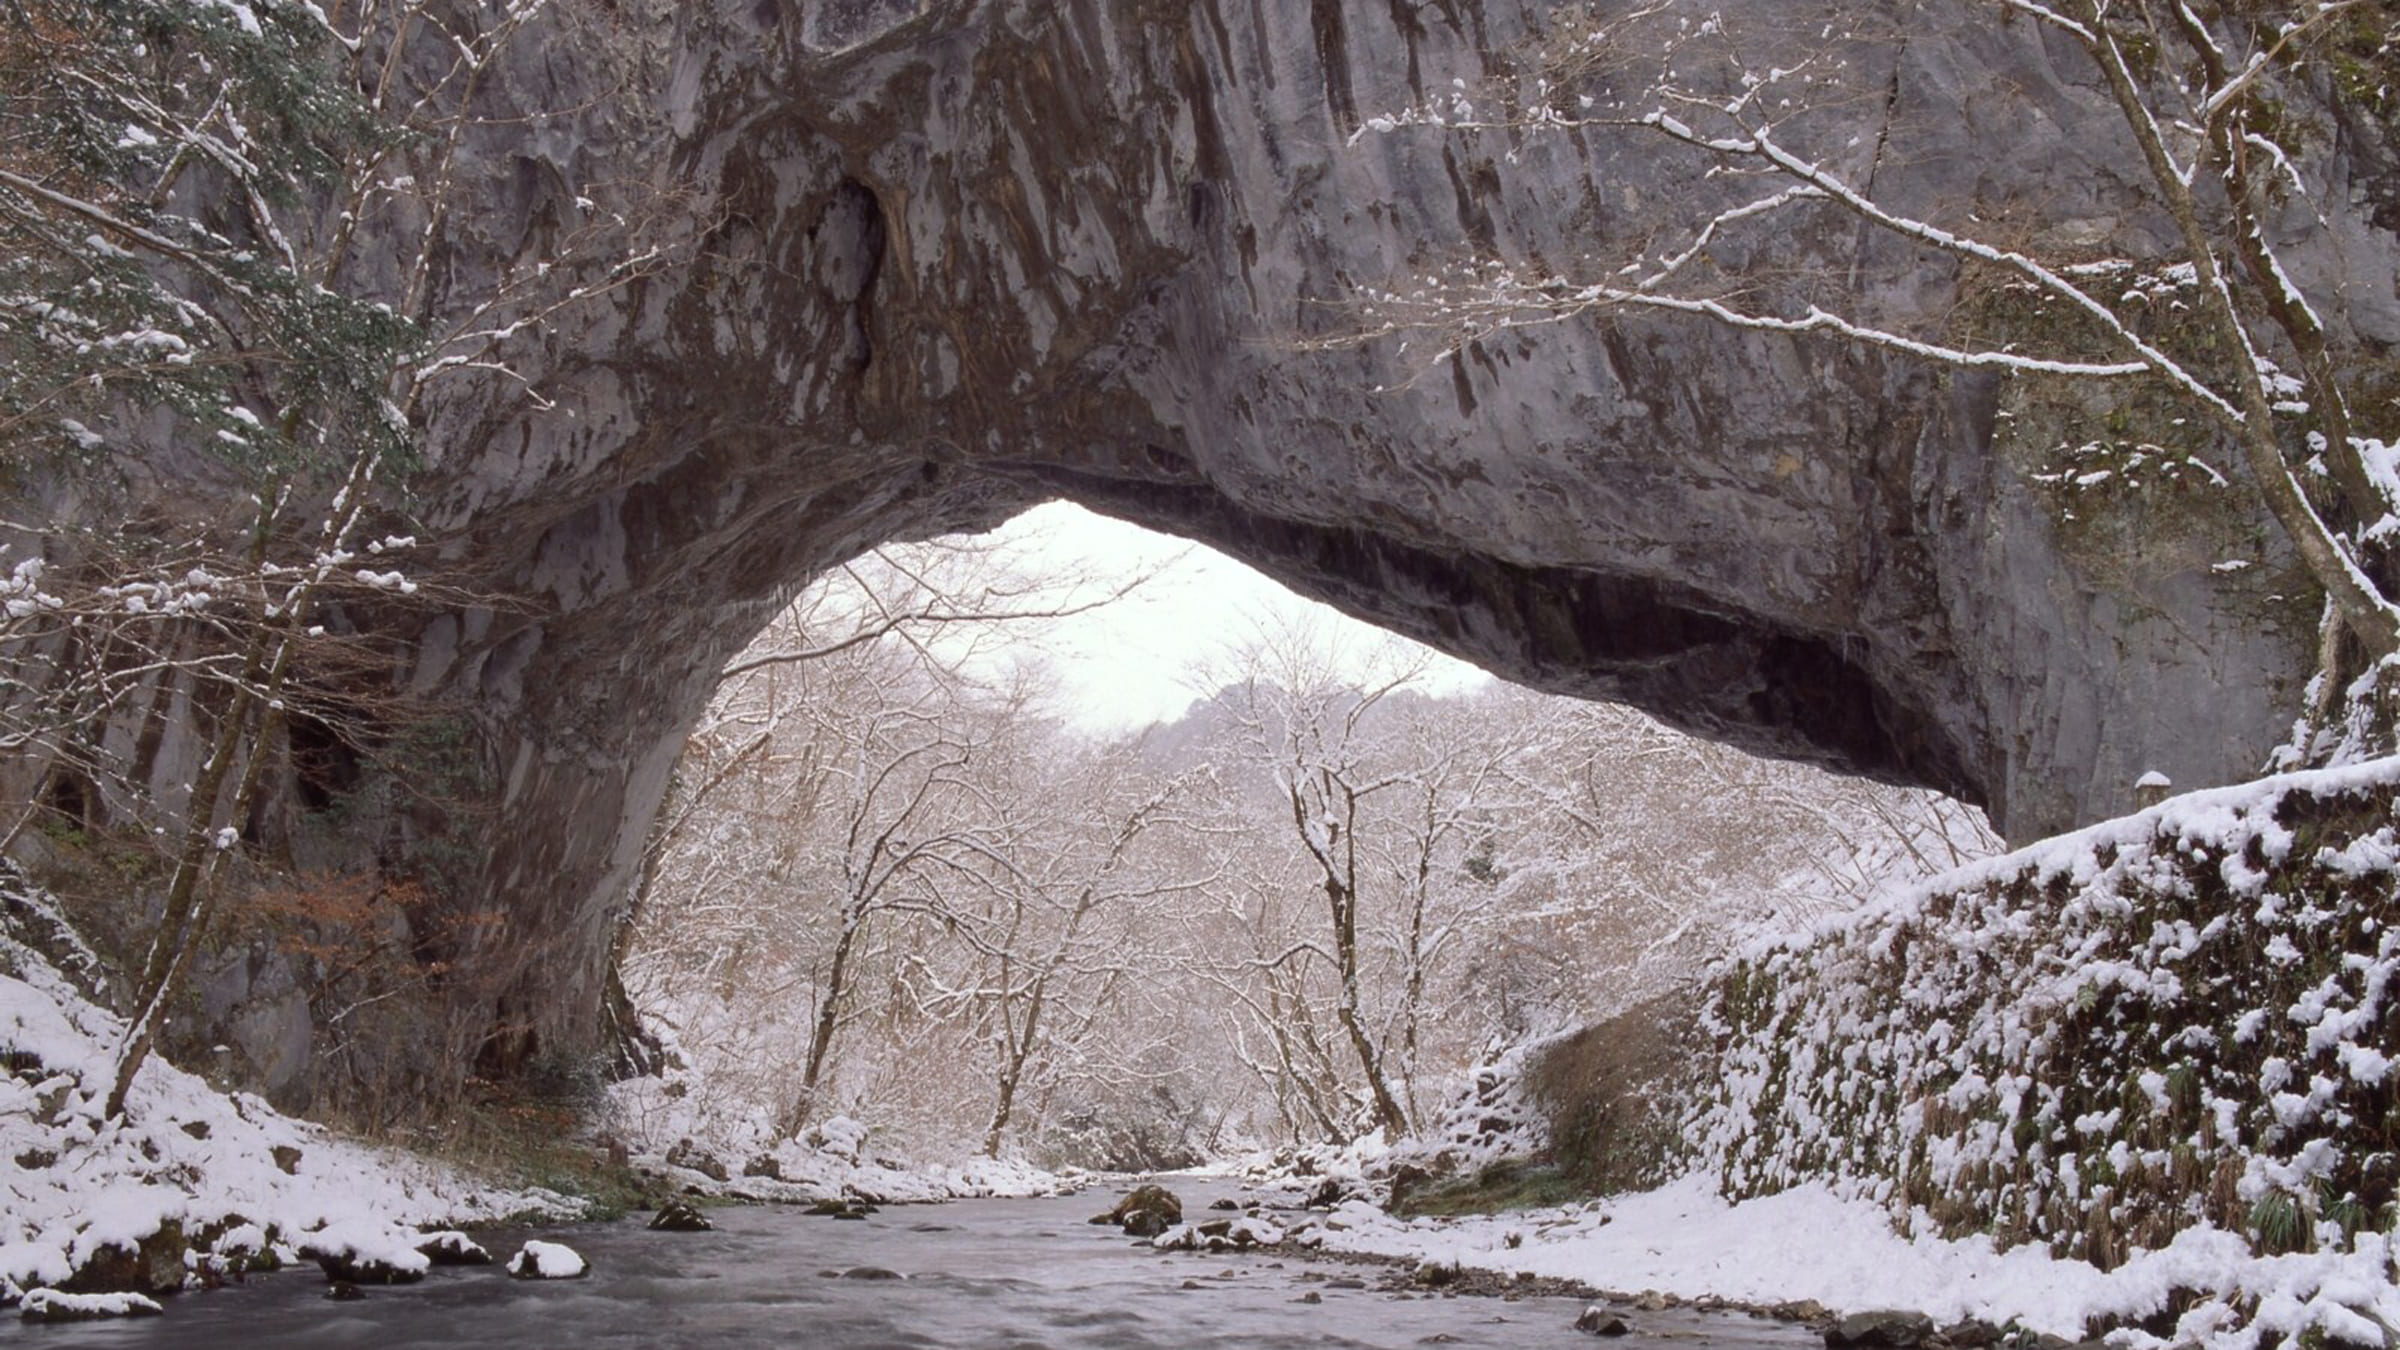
<point x="2178" y="1018"/>
<point x="1615" y="1095"/>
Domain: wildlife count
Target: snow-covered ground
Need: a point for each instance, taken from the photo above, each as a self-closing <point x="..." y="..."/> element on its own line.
<point x="204" y="1177"/>
<point x="194" y="1181"/>
<point x="2208" y="952"/>
<point x="1806" y="1243"/>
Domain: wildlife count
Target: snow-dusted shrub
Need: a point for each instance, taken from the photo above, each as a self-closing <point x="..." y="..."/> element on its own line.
<point x="1616" y="1095"/>
<point x="2178" y="1018"/>
<point x="1492" y="1117"/>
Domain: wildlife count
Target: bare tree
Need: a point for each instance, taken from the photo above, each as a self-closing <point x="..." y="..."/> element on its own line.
<point x="1076" y="917"/>
<point x="1382" y="802"/>
<point x="838" y="801"/>
<point x="893" y="890"/>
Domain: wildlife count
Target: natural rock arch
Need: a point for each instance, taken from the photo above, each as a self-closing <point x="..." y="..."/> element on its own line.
<point x="936" y="262"/>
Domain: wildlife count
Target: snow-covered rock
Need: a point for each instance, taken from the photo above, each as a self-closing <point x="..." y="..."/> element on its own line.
<point x="1219" y="1235"/>
<point x="50" y="1305"/>
<point x="365" y="1251"/>
<point x="548" y="1261"/>
<point x="449" y="1247"/>
<point x="679" y="1217"/>
<point x="839" y="1137"/>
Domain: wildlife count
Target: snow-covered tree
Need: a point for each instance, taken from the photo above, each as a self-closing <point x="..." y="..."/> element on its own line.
<point x="890" y="887"/>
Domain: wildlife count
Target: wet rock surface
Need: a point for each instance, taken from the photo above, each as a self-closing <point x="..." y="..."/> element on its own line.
<point x="679" y="1217"/>
<point x="153" y="1264"/>
<point x="350" y="1269"/>
<point x="1601" y="1322"/>
<point x="1147" y="1211"/>
<point x="1880" y="1330"/>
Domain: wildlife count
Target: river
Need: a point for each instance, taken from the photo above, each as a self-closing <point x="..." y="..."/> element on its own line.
<point x="977" y="1273"/>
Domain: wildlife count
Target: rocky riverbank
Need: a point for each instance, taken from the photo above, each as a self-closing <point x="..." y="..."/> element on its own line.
<point x="195" y="1187"/>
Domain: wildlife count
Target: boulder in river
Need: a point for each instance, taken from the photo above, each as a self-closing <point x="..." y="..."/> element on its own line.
<point x="1881" y="1329"/>
<point x="548" y="1261"/>
<point x="53" y="1305"/>
<point x="1153" y="1200"/>
<point x="1219" y="1235"/>
<point x="236" y="1248"/>
<point x="150" y="1264"/>
<point x="1147" y="1223"/>
<point x="679" y="1217"/>
<point x="450" y="1247"/>
<point x="1599" y="1321"/>
<point x="366" y="1253"/>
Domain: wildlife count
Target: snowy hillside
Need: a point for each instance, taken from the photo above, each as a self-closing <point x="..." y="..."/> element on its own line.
<point x="193" y="1183"/>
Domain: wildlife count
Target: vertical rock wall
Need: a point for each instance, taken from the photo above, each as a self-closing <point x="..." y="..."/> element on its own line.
<point x="927" y="262"/>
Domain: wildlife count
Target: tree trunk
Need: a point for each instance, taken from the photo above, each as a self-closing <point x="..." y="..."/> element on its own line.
<point x="820" y="1038"/>
<point x="1012" y="1071"/>
<point x="1388" y="1114"/>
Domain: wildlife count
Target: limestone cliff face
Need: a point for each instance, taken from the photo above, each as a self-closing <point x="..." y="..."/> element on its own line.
<point x="933" y="262"/>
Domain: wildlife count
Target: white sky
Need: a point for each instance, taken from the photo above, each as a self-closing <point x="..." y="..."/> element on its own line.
<point x="1139" y="660"/>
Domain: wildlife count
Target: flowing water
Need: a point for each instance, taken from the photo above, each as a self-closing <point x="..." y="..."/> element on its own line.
<point x="977" y="1273"/>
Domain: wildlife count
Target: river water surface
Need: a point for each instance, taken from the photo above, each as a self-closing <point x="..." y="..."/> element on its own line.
<point x="976" y="1273"/>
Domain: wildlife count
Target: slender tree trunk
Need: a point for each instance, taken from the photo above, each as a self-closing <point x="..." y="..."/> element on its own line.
<point x="820" y="1037"/>
<point x="1344" y="902"/>
<point x="2369" y="615"/>
<point x="1012" y="1069"/>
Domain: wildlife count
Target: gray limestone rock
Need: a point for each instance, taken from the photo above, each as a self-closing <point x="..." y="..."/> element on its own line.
<point x="928" y="262"/>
